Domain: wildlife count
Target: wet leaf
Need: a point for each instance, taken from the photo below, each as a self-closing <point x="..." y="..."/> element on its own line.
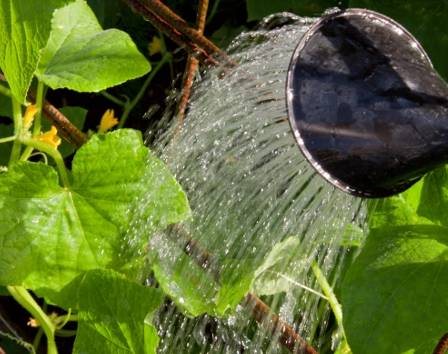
<point x="394" y="295"/>
<point x="214" y="290"/>
<point x="115" y="315"/>
<point x="193" y="294"/>
<point x="81" y="56"/>
<point x="276" y="274"/>
<point x="50" y="234"/>
<point x="24" y="30"/>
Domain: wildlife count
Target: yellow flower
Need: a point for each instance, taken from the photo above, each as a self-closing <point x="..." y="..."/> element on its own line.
<point x="28" y="117"/>
<point x="51" y="137"/>
<point x="108" y="121"/>
<point x="155" y="46"/>
<point x="33" y="322"/>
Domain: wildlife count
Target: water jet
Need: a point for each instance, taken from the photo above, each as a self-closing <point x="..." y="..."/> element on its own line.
<point x="251" y="190"/>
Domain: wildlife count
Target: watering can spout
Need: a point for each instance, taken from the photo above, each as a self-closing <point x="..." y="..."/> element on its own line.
<point x="367" y="108"/>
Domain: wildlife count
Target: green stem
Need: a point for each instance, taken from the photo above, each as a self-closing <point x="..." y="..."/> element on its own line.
<point x="328" y="291"/>
<point x="17" y="118"/>
<point x="65" y="332"/>
<point x="7" y="139"/>
<point x="37" y="338"/>
<point x="54" y="153"/>
<point x="113" y="99"/>
<point x="5" y="91"/>
<point x="61" y="321"/>
<point x="37" y="126"/>
<point x="39" y="100"/>
<point x="24" y="298"/>
<point x="130" y="105"/>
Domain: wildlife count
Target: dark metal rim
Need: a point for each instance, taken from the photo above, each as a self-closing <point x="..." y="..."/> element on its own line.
<point x="289" y="94"/>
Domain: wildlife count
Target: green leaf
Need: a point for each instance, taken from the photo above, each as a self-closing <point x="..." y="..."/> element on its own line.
<point x="394" y="295"/>
<point x="193" y="294"/>
<point x="257" y="9"/>
<point x="343" y="348"/>
<point x="194" y="289"/>
<point x="115" y="315"/>
<point x="77" y="116"/>
<point x="425" y="20"/>
<point x="81" y="56"/>
<point x="218" y="290"/>
<point x="434" y="201"/>
<point x="276" y="274"/>
<point x="50" y="234"/>
<point x="24" y="30"/>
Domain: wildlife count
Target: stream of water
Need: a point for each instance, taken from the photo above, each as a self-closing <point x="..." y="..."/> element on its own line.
<point x="250" y="189"/>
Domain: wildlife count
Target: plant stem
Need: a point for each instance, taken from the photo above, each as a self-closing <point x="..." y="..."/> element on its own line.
<point x="39" y="100"/>
<point x="7" y="139"/>
<point x="288" y="337"/>
<point x="112" y="98"/>
<point x="17" y="118"/>
<point x="129" y="106"/>
<point x="5" y="91"/>
<point x="37" y="338"/>
<point x="167" y="15"/>
<point x="54" y="153"/>
<point x="329" y="293"/>
<point x="37" y="125"/>
<point x="68" y="131"/>
<point x="61" y="321"/>
<point x="179" y="32"/>
<point x="65" y="332"/>
<point x="442" y="346"/>
<point x="24" y="298"/>
<point x="192" y="66"/>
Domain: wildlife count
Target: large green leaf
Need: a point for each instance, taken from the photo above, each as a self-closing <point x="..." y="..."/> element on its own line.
<point x="24" y="30"/>
<point x="426" y="20"/>
<point x="434" y="201"/>
<point x="81" y="56"/>
<point x="49" y="234"/>
<point x="257" y="9"/>
<point x="115" y="315"/>
<point x="395" y="294"/>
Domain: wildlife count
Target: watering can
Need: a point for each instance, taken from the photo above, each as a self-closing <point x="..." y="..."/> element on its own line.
<point x="365" y="104"/>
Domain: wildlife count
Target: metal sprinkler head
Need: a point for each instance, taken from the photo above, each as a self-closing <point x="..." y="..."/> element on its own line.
<point x="365" y="104"/>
